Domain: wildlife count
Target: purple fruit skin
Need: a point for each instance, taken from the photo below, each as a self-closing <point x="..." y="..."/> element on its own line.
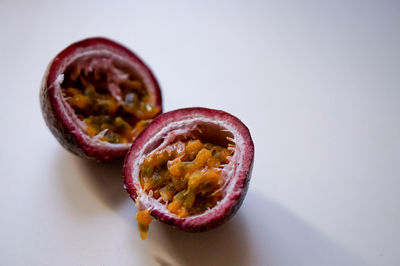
<point x="242" y="183"/>
<point x="57" y="120"/>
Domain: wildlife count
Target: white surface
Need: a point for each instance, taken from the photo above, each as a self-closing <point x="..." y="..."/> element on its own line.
<point x="318" y="84"/>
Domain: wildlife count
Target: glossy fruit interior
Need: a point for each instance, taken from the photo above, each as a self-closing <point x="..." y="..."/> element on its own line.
<point x="109" y="97"/>
<point x="186" y="176"/>
<point x="144" y="219"/>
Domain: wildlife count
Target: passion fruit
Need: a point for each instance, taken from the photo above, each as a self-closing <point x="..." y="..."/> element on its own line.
<point x="97" y="96"/>
<point x="189" y="168"/>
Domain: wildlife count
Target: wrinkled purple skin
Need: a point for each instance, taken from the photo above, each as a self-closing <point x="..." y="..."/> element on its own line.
<point x="59" y="118"/>
<point x="235" y="199"/>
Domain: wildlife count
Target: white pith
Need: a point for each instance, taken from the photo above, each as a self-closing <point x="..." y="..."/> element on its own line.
<point x="184" y="128"/>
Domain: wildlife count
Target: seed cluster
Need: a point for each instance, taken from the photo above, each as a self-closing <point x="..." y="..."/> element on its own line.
<point x="185" y="176"/>
<point x="117" y="109"/>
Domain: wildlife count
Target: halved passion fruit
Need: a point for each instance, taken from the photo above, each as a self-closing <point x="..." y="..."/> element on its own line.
<point x="97" y="96"/>
<point x="189" y="168"/>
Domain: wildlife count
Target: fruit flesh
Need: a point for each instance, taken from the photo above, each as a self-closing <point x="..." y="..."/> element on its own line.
<point x="185" y="176"/>
<point x="144" y="219"/>
<point x="110" y="99"/>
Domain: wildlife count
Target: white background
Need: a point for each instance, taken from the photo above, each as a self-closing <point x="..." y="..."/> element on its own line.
<point x="318" y="84"/>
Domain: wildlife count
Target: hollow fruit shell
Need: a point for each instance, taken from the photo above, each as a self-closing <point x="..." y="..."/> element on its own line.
<point x="60" y="117"/>
<point x="171" y="124"/>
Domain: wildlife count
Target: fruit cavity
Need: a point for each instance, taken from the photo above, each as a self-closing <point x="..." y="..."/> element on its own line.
<point x="111" y="99"/>
<point x="185" y="176"/>
<point x="97" y="96"/>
